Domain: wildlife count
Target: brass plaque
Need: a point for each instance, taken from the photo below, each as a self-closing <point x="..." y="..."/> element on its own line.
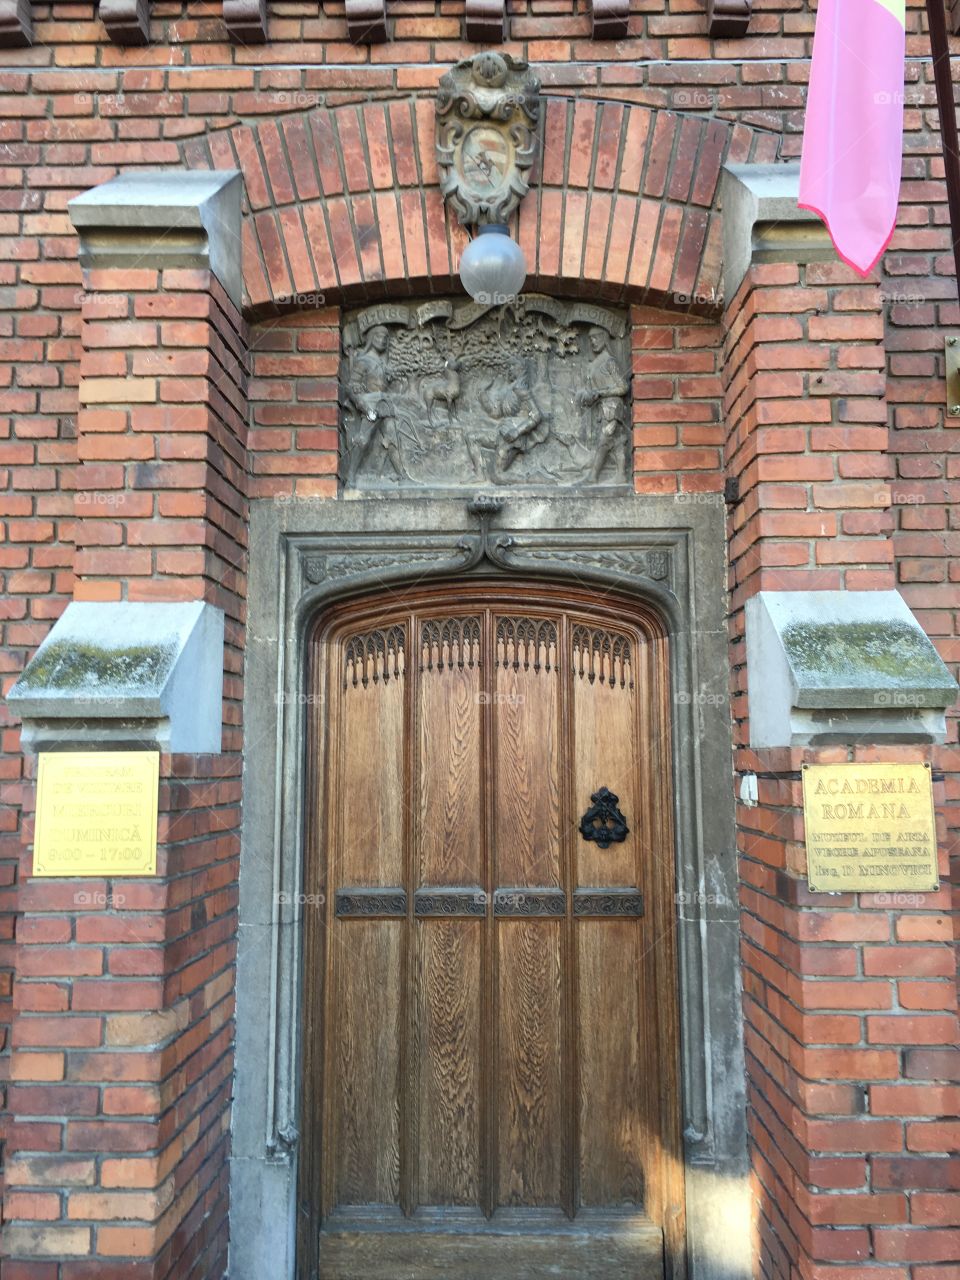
<point x="870" y="827"/>
<point x="97" y="813"/>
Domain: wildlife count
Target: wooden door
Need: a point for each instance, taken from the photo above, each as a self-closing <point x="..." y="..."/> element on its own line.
<point x="490" y="1028"/>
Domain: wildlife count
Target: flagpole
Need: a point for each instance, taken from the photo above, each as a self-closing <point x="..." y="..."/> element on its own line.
<point x="943" y="80"/>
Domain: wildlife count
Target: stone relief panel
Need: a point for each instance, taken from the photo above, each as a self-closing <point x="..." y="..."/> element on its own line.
<point x="451" y="394"/>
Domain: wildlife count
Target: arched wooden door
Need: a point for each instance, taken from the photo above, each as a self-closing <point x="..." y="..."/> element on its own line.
<point x="491" y="1023"/>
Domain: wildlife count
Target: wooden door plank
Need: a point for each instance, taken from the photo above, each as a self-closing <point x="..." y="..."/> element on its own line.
<point x="448" y="1061"/>
<point x="527" y="777"/>
<point x="366" y="1027"/>
<point x="616" y="1141"/>
<point x="528" y="1070"/>
<point x="449" y="716"/>
<point x="371" y="790"/>
<point x="606" y="748"/>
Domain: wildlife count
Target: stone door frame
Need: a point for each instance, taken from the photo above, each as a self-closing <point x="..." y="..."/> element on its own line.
<point x="307" y="553"/>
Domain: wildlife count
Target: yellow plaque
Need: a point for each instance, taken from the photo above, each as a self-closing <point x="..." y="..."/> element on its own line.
<point x="870" y="827"/>
<point x="97" y="814"/>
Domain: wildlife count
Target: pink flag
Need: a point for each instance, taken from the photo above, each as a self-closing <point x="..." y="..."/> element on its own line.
<point x="853" y="136"/>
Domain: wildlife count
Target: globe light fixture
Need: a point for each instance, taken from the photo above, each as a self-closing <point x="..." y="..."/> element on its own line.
<point x="492" y="266"/>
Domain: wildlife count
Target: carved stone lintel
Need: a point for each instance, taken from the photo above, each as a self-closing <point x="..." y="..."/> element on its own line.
<point x="246" y="20"/>
<point x="367" y="21"/>
<point x="486" y="21"/>
<point x="127" y="21"/>
<point x="610" y="19"/>
<point x="653" y="563"/>
<point x="16" y="24"/>
<point x="488" y="117"/>
<point x="317" y="569"/>
<point x="728" y="19"/>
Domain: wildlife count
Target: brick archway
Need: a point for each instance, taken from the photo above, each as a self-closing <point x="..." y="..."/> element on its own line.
<point x="344" y="202"/>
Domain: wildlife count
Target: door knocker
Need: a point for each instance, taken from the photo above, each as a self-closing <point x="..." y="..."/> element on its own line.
<point x="603" y="821"/>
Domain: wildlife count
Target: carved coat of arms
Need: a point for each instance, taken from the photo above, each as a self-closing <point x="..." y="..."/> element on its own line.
<point x="447" y="394"/>
<point x="488" y="113"/>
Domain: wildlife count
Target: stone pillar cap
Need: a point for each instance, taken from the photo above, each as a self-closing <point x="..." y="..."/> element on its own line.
<point x="125" y="674"/>
<point x="842" y="666"/>
<point x="762" y="221"/>
<point x="158" y="218"/>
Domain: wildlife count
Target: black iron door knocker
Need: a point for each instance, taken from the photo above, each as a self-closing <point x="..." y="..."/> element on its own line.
<point x="603" y="821"/>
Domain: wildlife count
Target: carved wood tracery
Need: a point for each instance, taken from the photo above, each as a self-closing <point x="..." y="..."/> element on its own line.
<point x="602" y="655"/>
<point x="449" y="642"/>
<point x="373" y="657"/>
<point x="530" y="643"/>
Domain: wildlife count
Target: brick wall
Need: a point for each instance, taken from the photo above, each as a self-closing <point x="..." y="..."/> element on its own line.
<point x="161" y="509"/>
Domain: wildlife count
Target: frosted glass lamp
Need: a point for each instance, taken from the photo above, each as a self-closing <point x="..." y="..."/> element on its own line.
<point x="492" y="266"/>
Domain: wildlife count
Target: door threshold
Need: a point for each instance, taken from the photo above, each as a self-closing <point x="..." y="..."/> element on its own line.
<point x="505" y="1220"/>
<point x="376" y="1244"/>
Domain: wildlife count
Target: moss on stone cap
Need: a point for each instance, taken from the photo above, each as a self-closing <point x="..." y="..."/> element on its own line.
<point x="865" y="655"/>
<point x="72" y="666"/>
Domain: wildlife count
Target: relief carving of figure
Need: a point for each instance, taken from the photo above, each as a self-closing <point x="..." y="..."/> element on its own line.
<point x="367" y="388"/>
<point x="606" y="390"/>
<point x="447" y="393"/>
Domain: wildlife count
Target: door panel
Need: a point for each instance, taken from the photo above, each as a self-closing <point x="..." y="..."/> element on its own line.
<point x="448" y="1043"/>
<point x="449" y="717"/>
<point x="366" y="1081"/>
<point x="490" y="1073"/>
<point x="525" y="724"/>
<point x="613" y="1138"/>
<point x="528" y="1067"/>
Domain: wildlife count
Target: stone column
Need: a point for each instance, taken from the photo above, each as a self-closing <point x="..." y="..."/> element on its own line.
<point x="122" y="1056"/>
<point x="849" y="999"/>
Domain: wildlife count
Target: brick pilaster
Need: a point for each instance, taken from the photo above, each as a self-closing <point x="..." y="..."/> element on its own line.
<point x="850" y="1001"/>
<point x="122" y="1059"/>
